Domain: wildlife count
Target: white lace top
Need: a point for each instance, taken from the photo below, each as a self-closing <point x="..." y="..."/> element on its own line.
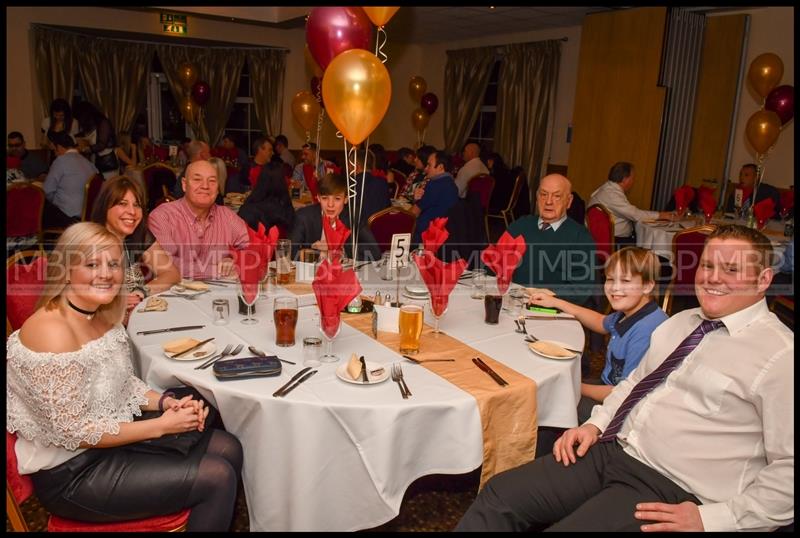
<point x="55" y="401"/>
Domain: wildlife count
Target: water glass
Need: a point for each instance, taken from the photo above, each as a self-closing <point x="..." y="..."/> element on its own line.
<point x="478" y="284"/>
<point x="221" y="310"/>
<point x="312" y="348"/>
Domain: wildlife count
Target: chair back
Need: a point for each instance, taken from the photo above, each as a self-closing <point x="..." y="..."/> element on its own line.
<point x="157" y="177"/>
<point x="18" y="487"/>
<point x="390" y="221"/>
<point x="600" y="223"/>
<point x="24" y="284"/>
<point x="687" y="246"/>
<point x="483" y="184"/>
<point x="400" y="179"/>
<point x="24" y="210"/>
<point x="521" y="178"/>
<point x="90" y="192"/>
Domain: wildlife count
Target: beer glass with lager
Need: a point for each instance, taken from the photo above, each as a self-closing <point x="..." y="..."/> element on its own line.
<point x="410" y="328"/>
<point x="283" y="261"/>
<point x="285" y="316"/>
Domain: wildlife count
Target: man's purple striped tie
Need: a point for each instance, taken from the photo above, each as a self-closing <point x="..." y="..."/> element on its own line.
<point x="545" y="226"/>
<point x="657" y="376"/>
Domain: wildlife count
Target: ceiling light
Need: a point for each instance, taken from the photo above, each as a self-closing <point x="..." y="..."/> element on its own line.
<point x="491" y="8"/>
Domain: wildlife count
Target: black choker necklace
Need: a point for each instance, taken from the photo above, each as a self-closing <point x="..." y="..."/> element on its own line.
<point x="88" y="313"/>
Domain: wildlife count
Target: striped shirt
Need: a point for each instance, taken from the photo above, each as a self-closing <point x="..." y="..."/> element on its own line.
<point x="197" y="246"/>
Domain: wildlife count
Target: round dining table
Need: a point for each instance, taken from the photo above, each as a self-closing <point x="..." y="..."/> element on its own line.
<point x="339" y="456"/>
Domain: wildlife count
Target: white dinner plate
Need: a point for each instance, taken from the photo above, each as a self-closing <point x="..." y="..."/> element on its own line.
<point x="341" y="373"/>
<point x="530" y="346"/>
<point x="206" y="350"/>
<point x="177" y="289"/>
<point x="416" y="290"/>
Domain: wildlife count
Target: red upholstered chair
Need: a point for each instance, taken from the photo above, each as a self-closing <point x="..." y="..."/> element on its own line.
<point x="24" y="209"/>
<point x="24" y="283"/>
<point x="400" y="179"/>
<point x="687" y="246"/>
<point x="483" y="184"/>
<point x="20" y="487"/>
<point x="390" y="221"/>
<point x="91" y="190"/>
<point x="600" y="223"/>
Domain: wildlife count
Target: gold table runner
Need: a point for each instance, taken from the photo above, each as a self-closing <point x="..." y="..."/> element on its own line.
<point x="508" y="414"/>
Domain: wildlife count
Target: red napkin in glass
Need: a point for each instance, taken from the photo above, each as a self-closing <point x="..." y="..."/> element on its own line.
<point x="435" y="235"/>
<point x="335" y="234"/>
<point x="787" y="200"/>
<point x="683" y="197"/>
<point x="504" y="257"/>
<point x="252" y="261"/>
<point x="764" y="210"/>
<point x="440" y="278"/>
<point x="334" y="289"/>
<point x="13" y="162"/>
<point x="706" y="200"/>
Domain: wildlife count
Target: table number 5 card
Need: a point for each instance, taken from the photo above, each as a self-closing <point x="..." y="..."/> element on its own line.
<point x="399" y="252"/>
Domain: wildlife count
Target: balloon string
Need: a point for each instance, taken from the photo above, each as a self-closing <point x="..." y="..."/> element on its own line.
<point x="318" y="150"/>
<point x="351" y="159"/>
<point x="380" y="41"/>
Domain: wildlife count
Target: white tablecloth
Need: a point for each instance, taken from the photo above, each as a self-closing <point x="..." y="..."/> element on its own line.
<point x="338" y="456"/>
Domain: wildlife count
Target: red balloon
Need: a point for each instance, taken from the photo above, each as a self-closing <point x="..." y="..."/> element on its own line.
<point x="201" y="92"/>
<point x="331" y="30"/>
<point x="781" y="101"/>
<point x="429" y="102"/>
<point x="316" y="90"/>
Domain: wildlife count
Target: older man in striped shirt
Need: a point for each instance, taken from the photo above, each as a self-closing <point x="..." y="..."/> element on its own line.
<point x="197" y="233"/>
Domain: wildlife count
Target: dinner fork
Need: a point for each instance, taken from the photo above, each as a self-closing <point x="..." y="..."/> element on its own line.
<point x="402" y="380"/>
<point x="236" y="351"/>
<point x="224" y="352"/>
<point x="396" y="379"/>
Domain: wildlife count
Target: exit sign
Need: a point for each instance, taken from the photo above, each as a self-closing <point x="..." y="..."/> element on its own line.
<point x="173" y="24"/>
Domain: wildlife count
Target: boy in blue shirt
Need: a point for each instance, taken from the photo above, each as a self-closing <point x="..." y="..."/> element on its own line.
<point x="630" y="280"/>
<point x="435" y="198"/>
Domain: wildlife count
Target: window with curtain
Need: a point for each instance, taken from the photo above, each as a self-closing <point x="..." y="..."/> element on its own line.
<point x="483" y="131"/>
<point x="243" y="123"/>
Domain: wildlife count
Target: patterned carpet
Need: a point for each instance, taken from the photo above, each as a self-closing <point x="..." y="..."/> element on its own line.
<point x="432" y="503"/>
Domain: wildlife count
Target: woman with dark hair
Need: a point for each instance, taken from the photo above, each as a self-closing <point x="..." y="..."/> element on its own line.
<point x="60" y="117"/>
<point x="97" y="138"/>
<point x="98" y="443"/>
<point x="120" y="207"/>
<point x="503" y="181"/>
<point x="269" y="202"/>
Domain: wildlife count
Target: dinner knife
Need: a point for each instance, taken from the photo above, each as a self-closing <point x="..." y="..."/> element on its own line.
<point x="363" y="369"/>
<point x="483" y="366"/>
<point x="290" y="389"/>
<point x="200" y="344"/>
<point x="171" y="329"/>
<point x="294" y="377"/>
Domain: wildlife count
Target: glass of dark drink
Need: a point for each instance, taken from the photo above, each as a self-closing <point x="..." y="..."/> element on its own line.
<point x="492" y="303"/>
<point x="285" y="314"/>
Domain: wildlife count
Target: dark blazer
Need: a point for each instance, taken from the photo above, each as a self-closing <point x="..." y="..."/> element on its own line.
<point x="269" y="203"/>
<point x="765" y="190"/>
<point x="307" y="230"/>
<point x="376" y="195"/>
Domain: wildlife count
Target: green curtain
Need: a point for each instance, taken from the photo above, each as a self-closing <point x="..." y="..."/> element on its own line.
<point x="526" y="90"/>
<point x="54" y="60"/>
<point x="466" y="76"/>
<point x="171" y="57"/>
<point x="114" y="75"/>
<point x="267" y="71"/>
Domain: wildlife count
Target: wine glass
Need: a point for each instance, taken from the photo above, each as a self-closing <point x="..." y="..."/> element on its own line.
<point x="784" y="212"/>
<point x="329" y="326"/>
<point x="438" y="309"/>
<point x="251" y="291"/>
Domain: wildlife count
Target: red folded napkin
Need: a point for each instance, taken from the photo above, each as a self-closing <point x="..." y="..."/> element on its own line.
<point x="13" y="162"/>
<point x="787" y="201"/>
<point x="252" y="261"/>
<point x="435" y="235"/>
<point x="334" y="288"/>
<point x="683" y="197"/>
<point x="336" y="233"/>
<point x="764" y="210"/>
<point x="440" y="278"/>
<point x="706" y="201"/>
<point x="504" y="257"/>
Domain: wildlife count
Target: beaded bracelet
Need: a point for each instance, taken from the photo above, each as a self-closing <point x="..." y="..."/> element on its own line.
<point x="168" y="394"/>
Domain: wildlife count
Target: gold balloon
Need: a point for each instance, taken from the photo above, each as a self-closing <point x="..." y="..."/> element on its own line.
<point x="417" y="87"/>
<point x="187" y="75"/>
<point x="305" y="109"/>
<point x="762" y="130"/>
<point x="188" y="108"/>
<point x="420" y="119"/>
<point x="765" y="73"/>
<point x="356" y="90"/>
<point x="312" y="64"/>
<point x="380" y="15"/>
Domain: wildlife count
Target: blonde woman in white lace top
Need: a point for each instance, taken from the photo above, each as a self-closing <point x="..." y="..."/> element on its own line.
<point x="76" y="406"/>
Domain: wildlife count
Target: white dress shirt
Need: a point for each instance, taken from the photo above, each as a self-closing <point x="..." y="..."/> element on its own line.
<point x="471" y="168"/>
<point x="721" y="426"/>
<point x="612" y="196"/>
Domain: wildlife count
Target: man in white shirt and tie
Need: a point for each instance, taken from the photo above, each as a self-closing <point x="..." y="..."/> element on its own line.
<point x="472" y="167"/>
<point x="699" y="437"/>
<point x="611" y="194"/>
